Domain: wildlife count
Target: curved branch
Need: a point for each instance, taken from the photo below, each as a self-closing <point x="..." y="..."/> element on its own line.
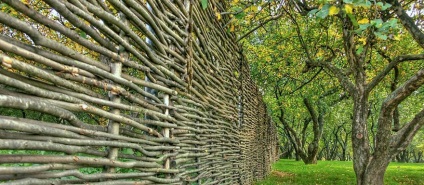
<point x="383" y="140"/>
<point x="78" y="142"/>
<point x="275" y="17"/>
<point x="32" y="104"/>
<point x="32" y="70"/>
<point x="306" y="83"/>
<point x="404" y="91"/>
<point x="29" y="126"/>
<point x="311" y="110"/>
<point x="344" y="80"/>
<point x="78" y="174"/>
<point x="393" y="63"/>
<point x="16" y="125"/>
<point x="404" y="136"/>
<point x="35" y="90"/>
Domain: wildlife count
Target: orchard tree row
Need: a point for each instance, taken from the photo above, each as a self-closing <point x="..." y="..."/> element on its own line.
<point x="342" y="78"/>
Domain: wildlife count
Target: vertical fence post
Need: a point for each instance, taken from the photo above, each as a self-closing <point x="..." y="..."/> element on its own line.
<point x="116" y="70"/>
<point x="166" y="131"/>
<point x="146" y="78"/>
<point x="166" y="97"/>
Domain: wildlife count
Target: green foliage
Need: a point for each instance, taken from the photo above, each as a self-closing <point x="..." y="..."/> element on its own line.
<point x="323" y="12"/>
<point x="238" y="12"/>
<point x="337" y="172"/>
<point x="279" y="53"/>
<point x="90" y="170"/>
<point x="128" y="151"/>
<point x="83" y="34"/>
<point x="380" y="28"/>
<point x="204" y="4"/>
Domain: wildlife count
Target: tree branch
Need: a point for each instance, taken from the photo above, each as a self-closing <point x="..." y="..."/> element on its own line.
<point x="307" y="82"/>
<point x="75" y="160"/>
<point x="311" y="110"/>
<point x="343" y="79"/>
<point x="404" y="90"/>
<point x="275" y="17"/>
<point x="407" y="22"/>
<point x="345" y="82"/>
<point x="404" y="136"/>
<point x="49" y="108"/>
<point x="385" y="119"/>
<point x="393" y="63"/>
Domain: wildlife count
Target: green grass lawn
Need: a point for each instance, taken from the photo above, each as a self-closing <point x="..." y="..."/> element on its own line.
<point x="338" y="172"/>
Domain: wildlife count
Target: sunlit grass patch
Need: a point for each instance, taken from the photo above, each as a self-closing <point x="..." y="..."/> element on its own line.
<point x="338" y="172"/>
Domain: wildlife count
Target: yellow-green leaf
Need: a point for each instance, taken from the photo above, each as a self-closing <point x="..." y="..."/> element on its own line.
<point x="218" y="15"/>
<point x="348" y="8"/>
<point x="204" y="4"/>
<point x="363" y="40"/>
<point x="333" y="10"/>
<point x="396" y="37"/>
<point x="232" y="28"/>
<point x="363" y="21"/>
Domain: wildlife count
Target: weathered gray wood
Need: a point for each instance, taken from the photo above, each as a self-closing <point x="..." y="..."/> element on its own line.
<point x="74" y="98"/>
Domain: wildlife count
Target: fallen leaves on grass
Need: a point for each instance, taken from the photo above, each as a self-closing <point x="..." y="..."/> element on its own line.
<point x="281" y="174"/>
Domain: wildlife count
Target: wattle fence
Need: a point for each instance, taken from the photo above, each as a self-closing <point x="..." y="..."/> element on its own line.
<point x="127" y="92"/>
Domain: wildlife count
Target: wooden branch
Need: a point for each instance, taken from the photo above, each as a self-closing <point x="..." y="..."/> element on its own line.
<point x="31" y="104"/>
<point x="342" y="77"/>
<point x="33" y="169"/>
<point x="272" y="18"/>
<point x="404" y="90"/>
<point x="307" y="82"/>
<point x="36" y="90"/>
<point x="404" y="136"/>
<point x="393" y="63"/>
<point x="19" y="123"/>
<point x="74" y="159"/>
<point x="386" y="118"/>
<point x="311" y="110"/>
<point x="407" y="22"/>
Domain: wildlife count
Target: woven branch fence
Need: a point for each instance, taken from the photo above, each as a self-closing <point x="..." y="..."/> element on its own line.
<point x="127" y="92"/>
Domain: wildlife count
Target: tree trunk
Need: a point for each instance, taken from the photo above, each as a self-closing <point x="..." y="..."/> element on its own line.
<point x="297" y="158"/>
<point x="420" y="156"/>
<point x="310" y="160"/>
<point x="402" y="157"/>
<point x="369" y="169"/>
<point x="360" y="141"/>
<point x="343" y="158"/>
<point x="375" y="175"/>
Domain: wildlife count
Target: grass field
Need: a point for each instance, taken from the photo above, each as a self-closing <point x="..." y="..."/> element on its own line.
<point x="338" y="172"/>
